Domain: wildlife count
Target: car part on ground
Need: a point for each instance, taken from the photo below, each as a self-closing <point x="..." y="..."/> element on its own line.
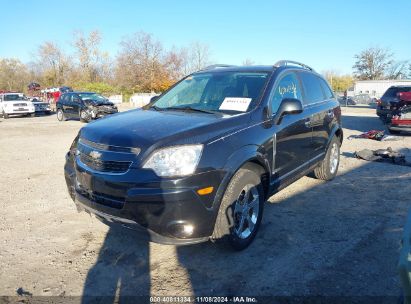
<point x="199" y="161"/>
<point x="383" y="155"/>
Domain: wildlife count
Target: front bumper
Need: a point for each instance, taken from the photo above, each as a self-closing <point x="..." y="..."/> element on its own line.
<point x="167" y="211"/>
<point x="96" y="113"/>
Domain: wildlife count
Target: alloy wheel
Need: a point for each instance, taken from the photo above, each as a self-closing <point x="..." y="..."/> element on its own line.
<point x="246" y="210"/>
<point x="334" y="157"/>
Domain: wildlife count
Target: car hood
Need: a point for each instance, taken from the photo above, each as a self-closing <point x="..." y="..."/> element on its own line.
<point x="99" y="102"/>
<point x="149" y="128"/>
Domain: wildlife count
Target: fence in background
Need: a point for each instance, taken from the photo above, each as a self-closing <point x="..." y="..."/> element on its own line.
<point x="139" y="100"/>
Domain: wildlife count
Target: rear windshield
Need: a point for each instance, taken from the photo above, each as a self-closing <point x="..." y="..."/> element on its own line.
<point x="228" y="92"/>
<point x="392" y="92"/>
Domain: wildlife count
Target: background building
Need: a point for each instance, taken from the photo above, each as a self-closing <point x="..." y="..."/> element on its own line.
<point x="375" y="88"/>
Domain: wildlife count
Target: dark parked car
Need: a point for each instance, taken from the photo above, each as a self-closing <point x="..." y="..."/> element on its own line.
<point x="401" y="119"/>
<point x="83" y="105"/>
<point x="199" y="162"/>
<point x="390" y="102"/>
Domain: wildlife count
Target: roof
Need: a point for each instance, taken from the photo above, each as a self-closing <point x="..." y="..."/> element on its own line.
<point x="239" y="68"/>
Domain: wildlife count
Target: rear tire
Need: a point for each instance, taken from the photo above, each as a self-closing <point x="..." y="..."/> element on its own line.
<point x="241" y="210"/>
<point x="60" y="115"/>
<point x="328" y="168"/>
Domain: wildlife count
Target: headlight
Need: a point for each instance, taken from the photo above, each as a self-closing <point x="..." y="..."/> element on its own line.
<point x="175" y="161"/>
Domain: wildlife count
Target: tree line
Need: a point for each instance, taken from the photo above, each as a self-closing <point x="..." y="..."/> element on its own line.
<point x="143" y="64"/>
<point x="374" y="63"/>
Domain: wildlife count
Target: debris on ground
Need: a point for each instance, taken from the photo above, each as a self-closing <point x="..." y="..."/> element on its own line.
<point x="376" y="135"/>
<point x="383" y="155"/>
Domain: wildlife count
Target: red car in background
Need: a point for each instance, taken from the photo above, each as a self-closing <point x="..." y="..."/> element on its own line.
<point x="401" y="119"/>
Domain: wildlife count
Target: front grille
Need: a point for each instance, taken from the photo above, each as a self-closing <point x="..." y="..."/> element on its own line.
<point x="105" y="147"/>
<point x="102" y="199"/>
<point x="20" y="104"/>
<point x="104" y="166"/>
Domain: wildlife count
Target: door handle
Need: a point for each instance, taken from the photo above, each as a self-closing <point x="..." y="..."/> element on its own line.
<point x="307" y="123"/>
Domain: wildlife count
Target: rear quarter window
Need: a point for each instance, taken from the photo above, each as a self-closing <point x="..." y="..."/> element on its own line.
<point x="312" y="88"/>
<point x="327" y="90"/>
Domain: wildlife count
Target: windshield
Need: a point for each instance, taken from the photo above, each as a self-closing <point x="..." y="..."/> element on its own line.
<point x="13" y="97"/>
<point x="92" y="96"/>
<point x="218" y="92"/>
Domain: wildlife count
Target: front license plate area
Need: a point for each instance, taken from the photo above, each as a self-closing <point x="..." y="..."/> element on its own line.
<point x="85" y="180"/>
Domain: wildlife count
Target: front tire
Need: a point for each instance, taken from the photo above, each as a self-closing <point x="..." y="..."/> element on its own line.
<point x="328" y="168"/>
<point x="84" y="117"/>
<point x="60" y="115"/>
<point x="5" y="115"/>
<point x="241" y="210"/>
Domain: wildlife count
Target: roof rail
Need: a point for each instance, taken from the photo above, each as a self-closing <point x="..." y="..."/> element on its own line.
<point x="287" y="62"/>
<point x="216" y="66"/>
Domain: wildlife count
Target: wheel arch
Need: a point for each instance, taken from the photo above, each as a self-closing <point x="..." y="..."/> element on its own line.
<point x="248" y="156"/>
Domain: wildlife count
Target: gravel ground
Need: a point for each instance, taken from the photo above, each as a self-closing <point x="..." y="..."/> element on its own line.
<point x="339" y="238"/>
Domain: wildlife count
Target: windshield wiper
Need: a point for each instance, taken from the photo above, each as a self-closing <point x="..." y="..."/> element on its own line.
<point x="188" y="109"/>
<point x="156" y="108"/>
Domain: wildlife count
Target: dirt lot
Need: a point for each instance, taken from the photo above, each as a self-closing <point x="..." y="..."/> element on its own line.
<point x="336" y="238"/>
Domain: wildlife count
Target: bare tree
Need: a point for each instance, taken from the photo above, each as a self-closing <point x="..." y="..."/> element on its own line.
<point x="199" y="56"/>
<point x="13" y="74"/>
<point x="372" y="63"/>
<point x="140" y="63"/>
<point x="93" y="64"/>
<point x="397" y="70"/>
<point x="53" y="63"/>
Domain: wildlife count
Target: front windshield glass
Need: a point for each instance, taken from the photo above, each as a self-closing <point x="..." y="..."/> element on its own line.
<point x="13" y="97"/>
<point x="220" y="92"/>
<point x="92" y="96"/>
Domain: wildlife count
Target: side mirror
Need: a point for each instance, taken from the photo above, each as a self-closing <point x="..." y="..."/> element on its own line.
<point x="77" y="100"/>
<point x="288" y="106"/>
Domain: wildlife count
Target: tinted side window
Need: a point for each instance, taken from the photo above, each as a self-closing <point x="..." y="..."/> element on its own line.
<point x="288" y="87"/>
<point x="312" y="88"/>
<point x="392" y="92"/>
<point x="327" y="90"/>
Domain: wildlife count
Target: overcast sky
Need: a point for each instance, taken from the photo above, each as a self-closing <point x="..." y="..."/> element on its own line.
<point x="323" y="34"/>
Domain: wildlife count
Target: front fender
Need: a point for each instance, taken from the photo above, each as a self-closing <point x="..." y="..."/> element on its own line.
<point x="336" y="131"/>
<point x="245" y="154"/>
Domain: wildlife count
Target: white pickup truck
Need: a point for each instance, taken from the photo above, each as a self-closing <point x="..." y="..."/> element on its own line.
<point x="15" y="104"/>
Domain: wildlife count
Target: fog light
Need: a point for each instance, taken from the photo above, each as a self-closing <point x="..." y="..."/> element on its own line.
<point x="205" y="191"/>
<point x="181" y="230"/>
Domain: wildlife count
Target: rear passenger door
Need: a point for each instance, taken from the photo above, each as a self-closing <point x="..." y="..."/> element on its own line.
<point x="321" y="115"/>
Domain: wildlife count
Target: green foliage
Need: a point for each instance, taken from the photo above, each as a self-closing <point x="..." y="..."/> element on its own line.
<point x="341" y="83"/>
<point x="98" y="87"/>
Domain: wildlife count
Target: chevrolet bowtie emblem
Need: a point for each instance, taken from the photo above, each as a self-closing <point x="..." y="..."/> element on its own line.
<point x="95" y="154"/>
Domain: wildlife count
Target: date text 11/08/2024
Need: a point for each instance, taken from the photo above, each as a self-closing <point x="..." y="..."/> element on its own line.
<point x="188" y="299"/>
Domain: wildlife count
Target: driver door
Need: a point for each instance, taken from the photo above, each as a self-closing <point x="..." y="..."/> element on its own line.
<point x="292" y="138"/>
